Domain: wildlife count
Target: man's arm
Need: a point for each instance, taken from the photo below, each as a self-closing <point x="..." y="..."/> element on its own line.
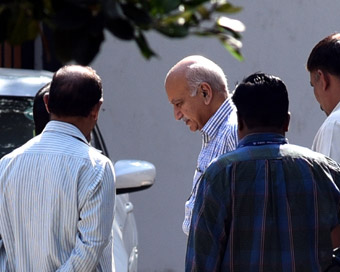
<point x="207" y="238"/>
<point x="94" y="226"/>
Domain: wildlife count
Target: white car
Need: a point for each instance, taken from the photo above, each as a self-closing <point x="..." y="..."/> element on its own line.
<point x="17" y="90"/>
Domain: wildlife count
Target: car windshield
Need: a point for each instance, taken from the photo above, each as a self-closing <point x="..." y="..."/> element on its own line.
<point x="16" y="122"/>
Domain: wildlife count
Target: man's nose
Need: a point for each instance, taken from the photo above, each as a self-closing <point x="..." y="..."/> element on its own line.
<point x="177" y="113"/>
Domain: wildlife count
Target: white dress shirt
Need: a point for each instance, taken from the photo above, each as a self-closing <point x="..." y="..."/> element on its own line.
<point x="57" y="197"/>
<point x="327" y="139"/>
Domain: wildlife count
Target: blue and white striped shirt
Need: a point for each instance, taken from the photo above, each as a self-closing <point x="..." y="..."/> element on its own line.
<point x="57" y="198"/>
<point x="219" y="135"/>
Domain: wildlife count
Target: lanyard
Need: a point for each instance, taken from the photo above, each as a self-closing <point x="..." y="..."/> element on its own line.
<point x="264" y="142"/>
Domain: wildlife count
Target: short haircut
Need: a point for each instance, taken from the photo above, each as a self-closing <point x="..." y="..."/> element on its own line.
<point x="40" y="114"/>
<point x="326" y="55"/>
<point x="74" y="91"/>
<point x="262" y="101"/>
<point x="205" y="70"/>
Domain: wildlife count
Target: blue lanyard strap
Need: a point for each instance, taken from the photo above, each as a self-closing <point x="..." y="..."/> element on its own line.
<point x="277" y="140"/>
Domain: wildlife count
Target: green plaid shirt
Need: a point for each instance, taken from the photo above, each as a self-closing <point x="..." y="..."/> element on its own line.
<point x="267" y="206"/>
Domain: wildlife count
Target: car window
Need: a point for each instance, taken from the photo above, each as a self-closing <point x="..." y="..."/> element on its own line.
<point x="17" y="125"/>
<point x="97" y="141"/>
<point x="16" y="122"/>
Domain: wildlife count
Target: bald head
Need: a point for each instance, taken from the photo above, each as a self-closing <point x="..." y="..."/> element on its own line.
<point x="74" y="91"/>
<point x="197" y="69"/>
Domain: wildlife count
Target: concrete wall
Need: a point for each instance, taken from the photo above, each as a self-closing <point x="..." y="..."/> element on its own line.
<point x="137" y="120"/>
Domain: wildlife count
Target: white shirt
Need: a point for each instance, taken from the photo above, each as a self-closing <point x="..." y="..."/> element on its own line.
<point x="219" y="135"/>
<point x="327" y="139"/>
<point x="57" y="198"/>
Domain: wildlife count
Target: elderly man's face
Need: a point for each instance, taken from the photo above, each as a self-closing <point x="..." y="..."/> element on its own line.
<point x="190" y="109"/>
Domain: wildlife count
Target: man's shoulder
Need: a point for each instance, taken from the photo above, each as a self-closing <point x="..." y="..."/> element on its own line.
<point x="231" y="119"/>
<point x="98" y="155"/>
<point x="293" y="150"/>
<point x="228" y="127"/>
<point x="81" y="150"/>
<point x="224" y="160"/>
<point x="269" y="152"/>
<point x="286" y="152"/>
<point x="333" y="118"/>
<point x="21" y="149"/>
<point x="310" y="156"/>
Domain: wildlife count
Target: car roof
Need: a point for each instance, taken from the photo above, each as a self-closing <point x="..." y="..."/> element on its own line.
<point x="22" y="82"/>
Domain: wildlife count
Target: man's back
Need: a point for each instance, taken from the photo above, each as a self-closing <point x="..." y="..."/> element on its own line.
<point x="50" y="208"/>
<point x="267" y="206"/>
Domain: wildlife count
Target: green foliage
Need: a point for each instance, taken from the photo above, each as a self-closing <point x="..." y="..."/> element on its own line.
<point x="78" y="25"/>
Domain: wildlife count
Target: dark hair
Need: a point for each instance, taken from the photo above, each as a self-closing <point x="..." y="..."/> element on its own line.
<point x="326" y="55"/>
<point x="40" y="115"/>
<point x="262" y="100"/>
<point x="74" y="91"/>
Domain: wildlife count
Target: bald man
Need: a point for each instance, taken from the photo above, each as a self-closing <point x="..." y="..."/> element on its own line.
<point x="197" y="88"/>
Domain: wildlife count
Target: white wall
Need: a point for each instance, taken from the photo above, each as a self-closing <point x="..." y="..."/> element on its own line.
<point x="137" y="120"/>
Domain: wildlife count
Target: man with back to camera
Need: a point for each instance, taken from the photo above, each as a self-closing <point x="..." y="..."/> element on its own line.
<point x="57" y="193"/>
<point x="197" y="89"/>
<point x="268" y="205"/>
<point x="324" y="67"/>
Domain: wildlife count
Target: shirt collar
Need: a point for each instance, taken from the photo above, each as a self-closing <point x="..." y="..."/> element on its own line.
<point x="65" y="128"/>
<point x="257" y="139"/>
<point x="337" y="107"/>
<point x="210" y="129"/>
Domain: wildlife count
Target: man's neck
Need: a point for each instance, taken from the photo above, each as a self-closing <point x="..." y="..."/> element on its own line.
<point x="247" y="131"/>
<point x="82" y="123"/>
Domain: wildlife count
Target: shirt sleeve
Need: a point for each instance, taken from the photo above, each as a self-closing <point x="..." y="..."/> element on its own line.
<point x="94" y="225"/>
<point x="207" y="238"/>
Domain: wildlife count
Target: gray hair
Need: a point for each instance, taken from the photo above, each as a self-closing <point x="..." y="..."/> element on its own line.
<point x="205" y="70"/>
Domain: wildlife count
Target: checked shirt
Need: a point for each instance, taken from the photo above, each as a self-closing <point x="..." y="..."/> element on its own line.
<point x="267" y="206"/>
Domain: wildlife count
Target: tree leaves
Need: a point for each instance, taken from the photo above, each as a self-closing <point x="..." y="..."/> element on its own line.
<point x="78" y="25"/>
<point x="18" y="22"/>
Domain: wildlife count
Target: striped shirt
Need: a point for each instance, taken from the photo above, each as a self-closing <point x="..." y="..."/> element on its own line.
<point x="267" y="206"/>
<point x="219" y="135"/>
<point x="57" y="198"/>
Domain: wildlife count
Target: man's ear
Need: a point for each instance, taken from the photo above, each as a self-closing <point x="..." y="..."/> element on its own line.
<point x="241" y="127"/>
<point x="45" y="98"/>
<point x="95" y="110"/>
<point x="324" y="79"/>
<point x="206" y="92"/>
<point x="286" y="122"/>
<point x="240" y="122"/>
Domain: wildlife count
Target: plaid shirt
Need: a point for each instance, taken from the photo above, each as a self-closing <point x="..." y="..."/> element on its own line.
<point x="219" y="135"/>
<point x="268" y="206"/>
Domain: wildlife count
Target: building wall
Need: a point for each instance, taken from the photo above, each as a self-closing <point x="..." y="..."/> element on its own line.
<point x="137" y="120"/>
